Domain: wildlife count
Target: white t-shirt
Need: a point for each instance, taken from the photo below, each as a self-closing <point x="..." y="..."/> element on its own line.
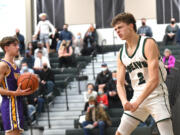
<point x="87" y="96"/>
<point x="38" y="63"/>
<point x="44" y="52"/>
<point x="44" y="27"/>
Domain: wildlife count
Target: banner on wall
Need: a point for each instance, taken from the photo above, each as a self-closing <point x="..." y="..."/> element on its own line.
<point x="105" y="10"/>
<point x="166" y="9"/>
<point x="54" y="10"/>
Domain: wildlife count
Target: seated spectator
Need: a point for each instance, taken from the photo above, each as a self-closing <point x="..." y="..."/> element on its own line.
<point x="39" y="61"/>
<point x="55" y="40"/>
<point x="65" y="35"/>
<point x="144" y="30"/>
<point x="65" y="53"/>
<point x="128" y="87"/>
<point x="30" y="47"/>
<point x="104" y="78"/>
<point x="90" y="42"/>
<point x="168" y="60"/>
<point x="78" y="45"/>
<point x="95" y="117"/>
<point x="35" y="99"/>
<point x="170" y="33"/>
<point x="90" y="93"/>
<point x="46" y="79"/>
<point x="25" y="68"/>
<point x="102" y="98"/>
<point x="42" y="49"/>
<point x="18" y="60"/>
<point x="29" y="59"/>
<point x="113" y="97"/>
<point x="34" y="42"/>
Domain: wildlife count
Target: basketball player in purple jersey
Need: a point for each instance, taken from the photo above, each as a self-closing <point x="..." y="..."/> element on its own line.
<point x="11" y="107"/>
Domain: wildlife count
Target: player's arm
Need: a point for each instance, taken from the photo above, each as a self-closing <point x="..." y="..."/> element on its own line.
<point x="152" y="54"/>
<point x="120" y="84"/>
<point x="3" y="70"/>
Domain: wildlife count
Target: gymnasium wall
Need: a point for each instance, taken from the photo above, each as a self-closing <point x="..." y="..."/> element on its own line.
<point x="19" y="14"/>
<point x="13" y="15"/>
<point x="79" y="11"/>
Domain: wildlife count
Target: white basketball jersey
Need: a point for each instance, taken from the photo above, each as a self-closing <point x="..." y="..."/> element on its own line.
<point x="137" y="67"/>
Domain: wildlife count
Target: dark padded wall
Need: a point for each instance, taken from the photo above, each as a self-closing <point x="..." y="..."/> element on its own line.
<point x="105" y="10"/>
<point x="167" y="9"/>
<point x="54" y="10"/>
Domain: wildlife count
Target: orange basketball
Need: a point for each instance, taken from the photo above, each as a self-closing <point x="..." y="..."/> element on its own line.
<point x="28" y="80"/>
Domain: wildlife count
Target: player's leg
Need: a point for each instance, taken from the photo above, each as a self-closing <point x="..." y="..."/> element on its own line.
<point x="165" y="127"/>
<point x="159" y="108"/>
<point x="14" y="132"/>
<point x="127" y="125"/>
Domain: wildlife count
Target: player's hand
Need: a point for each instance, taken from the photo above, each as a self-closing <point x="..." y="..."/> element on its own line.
<point x="127" y="106"/>
<point x="134" y="106"/>
<point x="20" y="92"/>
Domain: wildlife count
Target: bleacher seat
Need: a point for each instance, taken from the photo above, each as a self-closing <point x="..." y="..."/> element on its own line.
<point x="111" y="131"/>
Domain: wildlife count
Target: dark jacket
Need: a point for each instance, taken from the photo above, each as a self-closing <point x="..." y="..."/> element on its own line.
<point x="65" y="35"/>
<point x="104" y="79"/>
<point x="100" y="115"/>
<point x="47" y="76"/>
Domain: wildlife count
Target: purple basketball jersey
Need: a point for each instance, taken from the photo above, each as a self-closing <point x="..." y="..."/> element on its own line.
<point x="11" y="107"/>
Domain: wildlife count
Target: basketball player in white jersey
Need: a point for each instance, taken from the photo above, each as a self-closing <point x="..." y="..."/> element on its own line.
<point x="140" y="57"/>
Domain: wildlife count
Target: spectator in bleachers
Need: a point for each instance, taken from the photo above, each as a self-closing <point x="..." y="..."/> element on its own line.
<point x="30" y="48"/>
<point x="29" y="59"/>
<point x="170" y="32"/>
<point x="34" y="42"/>
<point x="89" y="93"/>
<point x="25" y="68"/>
<point x="39" y="61"/>
<point x="96" y="116"/>
<point x="42" y="49"/>
<point x="43" y="29"/>
<point x="104" y="78"/>
<point x="46" y="79"/>
<point x="21" y="41"/>
<point x="102" y="98"/>
<point x="90" y="41"/>
<point x="65" y="35"/>
<point x="35" y="99"/>
<point x="144" y="30"/>
<point x="18" y="60"/>
<point x="128" y="87"/>
<point x="55" y="40"/>
<point x="78" y="45"/>
<point x="168" y="60"/>
<point x="113" y="98"/>
<point x="65" y="53"/>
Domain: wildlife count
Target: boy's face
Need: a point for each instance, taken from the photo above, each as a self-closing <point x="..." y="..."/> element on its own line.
<point x="13" y="49"/>
<point x="123" y="30"/>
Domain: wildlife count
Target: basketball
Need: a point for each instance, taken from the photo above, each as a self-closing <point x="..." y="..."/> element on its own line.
<point x="28" y="80"/>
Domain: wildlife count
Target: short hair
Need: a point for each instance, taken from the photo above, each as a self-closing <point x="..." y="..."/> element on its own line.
<point x="168" y="50"/>
<point x="90" y="84"/>
<point x="127" y="18"/>
<point x="6" y="41"/>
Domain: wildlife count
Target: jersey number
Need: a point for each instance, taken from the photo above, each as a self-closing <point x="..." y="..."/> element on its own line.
<point x="141" y="78"/>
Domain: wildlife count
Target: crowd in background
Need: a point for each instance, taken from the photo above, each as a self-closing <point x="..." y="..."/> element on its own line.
<point x="34" y="58"/>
